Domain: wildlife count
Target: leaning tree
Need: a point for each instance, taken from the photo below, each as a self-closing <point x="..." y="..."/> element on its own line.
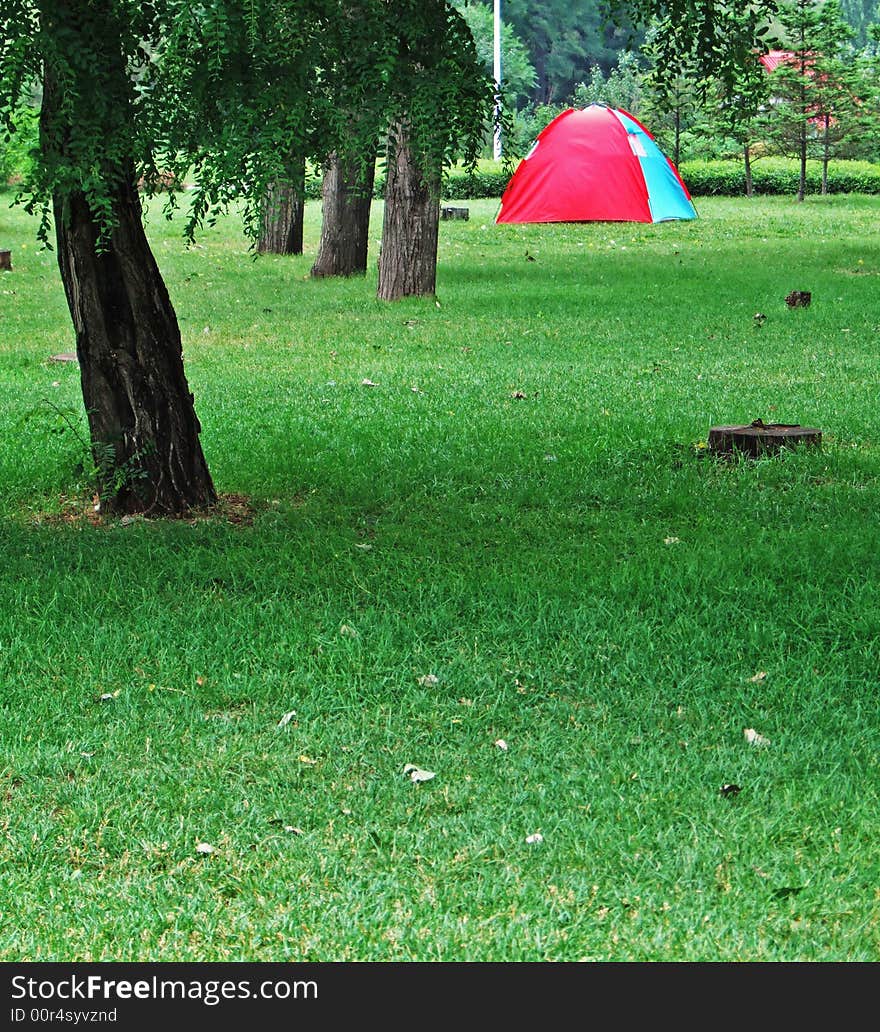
<point x="91" y="61"/>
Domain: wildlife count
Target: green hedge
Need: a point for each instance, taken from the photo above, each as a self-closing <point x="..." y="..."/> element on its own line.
<point x="777" y="176"/>
<point x="703" y="179"/>
<point x="456" y="186"/>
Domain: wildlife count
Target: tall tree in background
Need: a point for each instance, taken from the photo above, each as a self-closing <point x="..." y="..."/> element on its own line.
<point x="565" y="38"/>
<point x="621" y="88"/>
<point x="672" y="91"/>
<point x="736" y="104"/>
<point x="841" y="96"/>
<point x="810" y="81"/>
<point x="519" y="78"/>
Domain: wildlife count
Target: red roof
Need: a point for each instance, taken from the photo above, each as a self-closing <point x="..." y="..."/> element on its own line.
<point x="775" y="58"/>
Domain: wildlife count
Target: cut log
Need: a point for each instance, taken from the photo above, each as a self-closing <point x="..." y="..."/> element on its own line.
<point x="454" y="213"/>
<point x="6" y="260"/>
<point x="760" y="438"/>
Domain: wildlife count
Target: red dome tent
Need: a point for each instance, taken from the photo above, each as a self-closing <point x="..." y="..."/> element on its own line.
<point x="595" y="164"/>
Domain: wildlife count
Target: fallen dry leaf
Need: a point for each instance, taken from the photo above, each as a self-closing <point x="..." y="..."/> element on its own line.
<point x="368" y="383"/>
<point x="502" y="745"/>
<point x="307" y="760"/>
<point x="205" y="847"/>
<point x="761" y="674"/>
<point x="286" y="719"/>
<point x="348" y="632"/>
<point x="535" y="838"/>
<point x="292" y="830"/>
<point x="429" y="680"/>
<point x="753" y="738"/>
<point x="671" y="541"/>
<point x="416" y="774"/>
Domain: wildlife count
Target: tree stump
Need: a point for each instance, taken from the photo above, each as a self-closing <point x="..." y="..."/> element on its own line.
<point x="760" y="438"/>
<point x="6" y="260"/>
<point x="455" y="213"/>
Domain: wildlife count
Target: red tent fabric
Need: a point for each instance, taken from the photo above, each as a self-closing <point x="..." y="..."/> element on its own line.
<point x="595" y="164"/>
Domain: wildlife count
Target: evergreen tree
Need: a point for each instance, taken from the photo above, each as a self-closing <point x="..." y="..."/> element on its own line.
<point x="814" y="90"/>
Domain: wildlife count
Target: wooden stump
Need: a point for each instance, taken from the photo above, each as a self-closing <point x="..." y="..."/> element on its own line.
<point x="6" y="260"/>
<point x="455" y="213"/>
<point x="760" y="438"/>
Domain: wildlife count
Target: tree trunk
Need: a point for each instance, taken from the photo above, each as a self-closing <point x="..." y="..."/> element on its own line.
<point x="826" y="153"/>
<point x="143" y="426"/>
<point x="747" y="162"/>
<point x="281" y="229"/>
<point x="677" y="148"/>
<point x="408" y="255"/>
<point x="802" y="140"/>
<point x="345" y="223"/>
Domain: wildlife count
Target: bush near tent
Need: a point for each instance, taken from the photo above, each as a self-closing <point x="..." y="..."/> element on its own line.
<point x="778" y="176"/>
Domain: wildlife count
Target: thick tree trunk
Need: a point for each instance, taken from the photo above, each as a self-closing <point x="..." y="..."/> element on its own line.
<point x="345" y="224"/>
<point x="143" y="426"/>
<point x="408" y="256"/>
<point x="281" y="228"/>
<point x="144" y="429"/>
<point x="747" y="162"/>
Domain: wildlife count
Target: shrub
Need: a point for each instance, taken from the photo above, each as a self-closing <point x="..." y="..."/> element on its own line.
<point x="778" y="176"/>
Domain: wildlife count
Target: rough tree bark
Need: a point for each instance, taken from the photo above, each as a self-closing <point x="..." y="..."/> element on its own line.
<point x="281" y="228"/>
<point x="410" y="226"/>
<point x="143" y="425"/>
<point x="142" y="421"/>
<point x="345" y="222"/>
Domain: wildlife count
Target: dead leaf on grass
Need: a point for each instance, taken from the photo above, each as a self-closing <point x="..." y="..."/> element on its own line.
<point x="286" y="719"/>
<point x="753" y="738"/>
<point x="416" y="774"/>
<point x="535" y="838"/>
<point x="429" y="680"/>
<point x="755" y="678"/>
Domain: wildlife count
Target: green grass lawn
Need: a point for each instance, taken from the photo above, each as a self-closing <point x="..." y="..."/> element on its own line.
<point x="515" y="536"/>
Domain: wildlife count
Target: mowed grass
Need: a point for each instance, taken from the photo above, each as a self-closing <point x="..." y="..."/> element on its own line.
<point x="514" y="536"/>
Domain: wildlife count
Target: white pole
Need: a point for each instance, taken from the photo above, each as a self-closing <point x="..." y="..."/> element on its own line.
<point x="497" y="55"/>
